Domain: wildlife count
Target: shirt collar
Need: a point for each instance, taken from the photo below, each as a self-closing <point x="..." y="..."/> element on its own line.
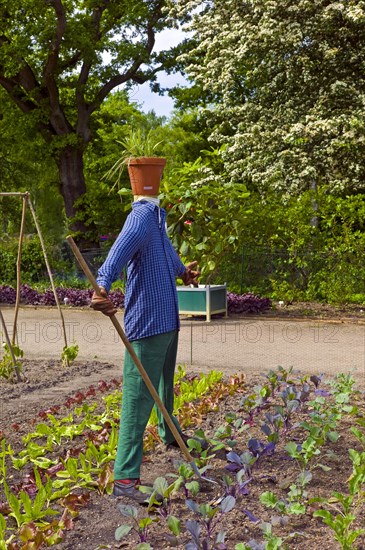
<point x="152" y="200"/>
<point x="150" y="206"/>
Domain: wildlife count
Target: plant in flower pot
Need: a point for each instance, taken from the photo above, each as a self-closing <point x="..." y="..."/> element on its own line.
<point x="140" y="156"/>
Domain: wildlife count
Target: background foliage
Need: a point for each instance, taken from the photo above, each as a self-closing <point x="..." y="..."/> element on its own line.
<point x="264" y="183"/>
<point x="288" y="89"/>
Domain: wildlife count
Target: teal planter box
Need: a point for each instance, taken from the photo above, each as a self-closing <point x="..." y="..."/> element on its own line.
<point x="202" y="300"/>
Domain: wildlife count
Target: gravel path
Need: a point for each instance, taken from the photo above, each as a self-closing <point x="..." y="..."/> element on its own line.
<point x="237" y="344"/>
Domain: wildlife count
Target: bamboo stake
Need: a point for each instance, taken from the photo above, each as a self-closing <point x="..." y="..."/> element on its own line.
<point x="16" y="368"/>
<point x="19" y="259"/>
<point x="49" y="273"/>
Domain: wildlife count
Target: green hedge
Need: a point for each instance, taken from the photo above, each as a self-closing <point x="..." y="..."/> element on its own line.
<point x="33" y="266"/>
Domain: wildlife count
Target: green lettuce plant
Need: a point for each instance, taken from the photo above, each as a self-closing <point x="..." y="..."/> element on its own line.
<point x="25" y="510"/>
<point x="6" y="363"/>
<point x="4" y="540"/>
<point x="341" y="519"/>
<point x="340" y="510"/>
<point x="69" y="354"/>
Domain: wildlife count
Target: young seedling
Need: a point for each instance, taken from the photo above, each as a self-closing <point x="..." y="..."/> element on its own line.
<point x="208" y="519"/>
<point x="24" y="510"/>
<point x="244" y="462"/>
<point x="252" y="404"/>
<point x="203" y="455"/>
<point x="5" y="451"/>
<point x="342" y="384"/>
<point x="295" y="502"/>
<point x="278" y="377"/>
<point x="346" y="506"/>
<point x="235" y="426"/>
<point x="250" y="458"/>
<point x="304" y="453"/>
<point x="273" y="424"/>
<point x="7" y="365"/>
<point x="4" y="542"/>
<point x="174" y="525"/>
<point x="204" y="442"/>
<point x="184" y="480"/>
<point x="159" y="495"/>
<point x="139" y="526"/>
<point x="272" y="541"/>
<point x="237" y="487"/>
<point x="341" y="520"/>
<point x="69" y="354"/>
<point x="292" y="401"/>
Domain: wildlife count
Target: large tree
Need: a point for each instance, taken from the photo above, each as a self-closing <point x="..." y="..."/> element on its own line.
<point x="59" y="59"/>
<point x="25" y="166"/>
<point x="283" y="84"/>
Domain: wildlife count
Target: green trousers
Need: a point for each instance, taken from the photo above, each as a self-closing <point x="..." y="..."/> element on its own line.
<point x="158" y="357"/>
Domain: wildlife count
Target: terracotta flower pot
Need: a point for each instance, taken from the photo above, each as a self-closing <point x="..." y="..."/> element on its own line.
<point x="145" y="174"/>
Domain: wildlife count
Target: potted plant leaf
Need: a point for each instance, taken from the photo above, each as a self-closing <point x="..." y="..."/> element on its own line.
<point x="145" y="167"/>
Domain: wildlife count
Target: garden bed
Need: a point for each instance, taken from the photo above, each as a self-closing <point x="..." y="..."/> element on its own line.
<point x="317" y="310"/>
<point x="92" y="515"/>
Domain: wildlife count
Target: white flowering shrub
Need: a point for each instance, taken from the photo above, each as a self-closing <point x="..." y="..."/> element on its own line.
<point x="283" y="85"/>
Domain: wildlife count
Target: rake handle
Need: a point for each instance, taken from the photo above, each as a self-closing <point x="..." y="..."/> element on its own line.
<point x="132" y="353"/>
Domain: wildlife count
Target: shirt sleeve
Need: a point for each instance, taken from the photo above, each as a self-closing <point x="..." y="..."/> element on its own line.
<point x="131" y="238"/>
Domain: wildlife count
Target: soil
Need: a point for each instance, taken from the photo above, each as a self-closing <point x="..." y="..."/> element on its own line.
<point x="317" y="310"/>
<point x="95" y="525"/>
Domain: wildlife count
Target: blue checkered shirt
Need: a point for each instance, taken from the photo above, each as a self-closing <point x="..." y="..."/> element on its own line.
<point x="151" y="305"/>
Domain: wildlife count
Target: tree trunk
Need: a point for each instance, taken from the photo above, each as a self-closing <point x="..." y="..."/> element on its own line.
<point x="72" y="187"/>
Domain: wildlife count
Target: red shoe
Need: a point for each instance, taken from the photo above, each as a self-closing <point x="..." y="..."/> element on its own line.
<point x="129" y="488"/>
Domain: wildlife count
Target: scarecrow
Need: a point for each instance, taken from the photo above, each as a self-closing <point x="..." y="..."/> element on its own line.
<point x="151" y="321"/>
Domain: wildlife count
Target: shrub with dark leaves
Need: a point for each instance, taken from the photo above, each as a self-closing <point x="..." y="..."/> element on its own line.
<point x="247" y="303"/>
<point x="74" y="297"/>
<point x="69" y="296"/>
<point x="29" y="295"/>
<point x="7" y="294"/>
<point x="117" y="297"/>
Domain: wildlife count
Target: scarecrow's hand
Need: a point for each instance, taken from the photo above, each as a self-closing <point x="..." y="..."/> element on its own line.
<point x="190" y="275"/>
<point x="102" y="303"/>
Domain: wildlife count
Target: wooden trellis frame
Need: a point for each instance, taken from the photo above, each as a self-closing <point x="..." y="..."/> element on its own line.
<point x="28" y="203"/>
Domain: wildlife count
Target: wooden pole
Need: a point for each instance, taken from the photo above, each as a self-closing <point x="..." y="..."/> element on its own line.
<point x="16" y="368"/>
<point x="49" y="273"/>
<point x="18" y="265"/>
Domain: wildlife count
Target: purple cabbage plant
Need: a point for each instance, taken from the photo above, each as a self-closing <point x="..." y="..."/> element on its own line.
<point x="247" y="303"/>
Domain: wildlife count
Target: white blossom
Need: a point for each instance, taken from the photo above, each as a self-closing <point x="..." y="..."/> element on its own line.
<point x="289" y="83"/>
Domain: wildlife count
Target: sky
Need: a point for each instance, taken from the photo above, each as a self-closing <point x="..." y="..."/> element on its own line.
<point x="141" y="94"/>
